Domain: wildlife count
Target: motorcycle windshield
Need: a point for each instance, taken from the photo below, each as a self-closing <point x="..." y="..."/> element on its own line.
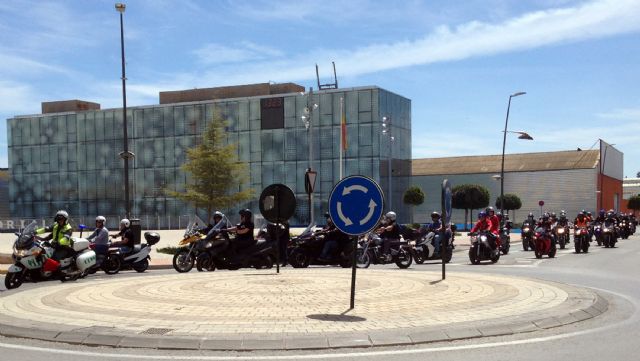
<point x="307" y="231"/>
<point x="25" y="239"/>
<point x="194" y="223"/>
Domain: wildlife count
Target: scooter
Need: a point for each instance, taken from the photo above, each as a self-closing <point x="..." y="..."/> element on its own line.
<point x="423" y="249"/>
<point x="138" y="259"/>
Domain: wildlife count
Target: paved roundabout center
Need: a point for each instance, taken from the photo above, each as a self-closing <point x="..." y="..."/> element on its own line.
<point x="310" y="303"/>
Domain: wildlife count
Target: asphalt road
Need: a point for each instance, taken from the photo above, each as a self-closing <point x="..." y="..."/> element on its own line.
<point x="612" y="336"/>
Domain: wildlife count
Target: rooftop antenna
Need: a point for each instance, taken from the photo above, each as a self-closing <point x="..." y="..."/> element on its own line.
<point x="329" y="85"/>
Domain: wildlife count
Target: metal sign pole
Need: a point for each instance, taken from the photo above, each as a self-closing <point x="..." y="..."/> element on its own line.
<point x="352" y="305"/>
<point x="277" y="205"/>
<point x="446" y="224"/>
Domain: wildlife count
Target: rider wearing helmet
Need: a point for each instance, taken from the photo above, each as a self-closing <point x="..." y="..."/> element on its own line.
<point x="436" y="227"/>
<point x="484" y="225"/>
<point x="389" y="232"/>
<point x="60" y="235"/>
<point x="100" y="237"/>
<point x="244" y="232"/>
<point x="126" y="233"/>
<point x="495" y="222"/>
<point x="545" y="222"/>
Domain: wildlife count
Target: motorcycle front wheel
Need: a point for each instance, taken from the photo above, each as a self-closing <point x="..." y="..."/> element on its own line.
<point x="299" y="259"/>
<point x="363" y="259"/>
<point x="473" y="255"/>
<point x="418" y="257"/>
<point x="13" y="280"/>
<point x="404" y="259"/>
<point x="183" y="262"/>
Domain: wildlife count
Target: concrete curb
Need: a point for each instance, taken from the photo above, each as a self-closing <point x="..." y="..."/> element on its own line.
<point x="589" y="304"/>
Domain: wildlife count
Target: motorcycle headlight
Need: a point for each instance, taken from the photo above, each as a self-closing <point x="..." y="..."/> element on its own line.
<point x="412" y="243"/>
<point x="560" y="231"/>
<point x="22" y="253"/>
<point x="578" y="232"/>
<point x="526" y="229"/>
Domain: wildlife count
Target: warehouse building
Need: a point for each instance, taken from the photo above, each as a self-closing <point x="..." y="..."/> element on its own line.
<point x="570" y="180"/>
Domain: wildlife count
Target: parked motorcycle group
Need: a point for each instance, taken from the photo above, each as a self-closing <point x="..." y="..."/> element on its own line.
<point x="220" y="246"/>
<point x="66" y="258"/>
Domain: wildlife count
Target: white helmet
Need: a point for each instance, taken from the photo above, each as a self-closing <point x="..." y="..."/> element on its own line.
<point x="218" y="214"/>
<point x="101" y="219"/>
<point x="391" y="216"/>
<point x="125" y="222"/>
<point x="63" y="214"/>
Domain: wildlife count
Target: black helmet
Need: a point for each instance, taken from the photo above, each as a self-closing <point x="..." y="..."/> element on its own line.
<point x="435" y="214"/>
<point x="327" y="215"/>
<point x="245" y="212"/>
<point x="545" y="216"/>
<point x="530" y="215"/>
<point x="553" y="215"/>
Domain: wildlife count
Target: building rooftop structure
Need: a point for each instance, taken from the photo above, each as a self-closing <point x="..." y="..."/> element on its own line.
<point x="521" y="162"/>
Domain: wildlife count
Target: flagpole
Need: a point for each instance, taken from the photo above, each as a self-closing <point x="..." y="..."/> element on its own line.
<point x="341" y="134"/>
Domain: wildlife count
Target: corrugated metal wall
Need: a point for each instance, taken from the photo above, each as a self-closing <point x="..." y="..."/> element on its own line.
<point x="571" y="190"/>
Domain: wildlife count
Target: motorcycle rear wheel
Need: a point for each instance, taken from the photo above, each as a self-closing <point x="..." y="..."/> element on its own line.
<point x="265" y="263"/>
<point x="13" y="280"/>
<point x="111" y="265"/>
<point x="141" y="266"/>
<point x="299" y="259"/>
<point x="182" y="263"/>
<point x="205" y="263"/>
<point x="417" y="256"/>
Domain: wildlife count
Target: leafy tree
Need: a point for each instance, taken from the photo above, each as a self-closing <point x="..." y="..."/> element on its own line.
<point x="638" y="175"/>
<point x="469" y="197"/>
<point x="511" y="202"/>
<point x="216" y="174"/>
<point x="413" y="196"/>
<point x="634" y="203"/>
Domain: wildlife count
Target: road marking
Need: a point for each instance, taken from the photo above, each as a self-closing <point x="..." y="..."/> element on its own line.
<point x="634" y="318"/>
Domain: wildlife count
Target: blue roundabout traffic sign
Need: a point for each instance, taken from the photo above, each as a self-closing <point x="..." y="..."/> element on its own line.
<point x="356" y="204"/>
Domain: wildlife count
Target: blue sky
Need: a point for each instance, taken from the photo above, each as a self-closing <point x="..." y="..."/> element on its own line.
<point x="457" y="61"/>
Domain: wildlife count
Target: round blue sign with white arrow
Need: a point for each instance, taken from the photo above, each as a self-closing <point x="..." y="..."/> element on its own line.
<point x="356" y="204"/>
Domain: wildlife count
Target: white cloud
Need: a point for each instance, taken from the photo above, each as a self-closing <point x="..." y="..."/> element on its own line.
<point x="17" y="98"/>
<point x="622" y="114"/>
<point x="246" y="51"/>
<point x="592" y="20"/>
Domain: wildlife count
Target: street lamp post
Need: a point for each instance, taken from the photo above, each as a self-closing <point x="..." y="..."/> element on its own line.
<point x="307" y="119"/>
<point x="523" y="135"/>
<point x="125" y="154"/>
<point x="386" y="130"/>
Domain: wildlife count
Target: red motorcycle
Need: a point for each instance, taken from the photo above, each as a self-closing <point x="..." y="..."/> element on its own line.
<point x="544" y="244"/>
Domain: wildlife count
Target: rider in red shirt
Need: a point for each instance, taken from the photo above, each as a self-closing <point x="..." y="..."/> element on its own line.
<point x="485" y="224"/>
<point x="495" y="223"/>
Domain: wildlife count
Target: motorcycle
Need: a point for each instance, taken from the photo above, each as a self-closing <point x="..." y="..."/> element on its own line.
<point x="561" y="234"/>
<point x="189" y="247"/>
<point x="624" y="229"/>
<point x="423" y="248"/>
<point x="597" y="232"/>
<point x="527" y="237"/>
<point x="609" y="237"/>
<point x="214" y="254"/>
<point x="137" y="260"/>
<point x="370" y="250"/>
<point x="505" y="240"/>
<point x="305" y="249"/>
<point x="544" y="244"/>
<point x="481" y="249"/>
<point x="30" y="255"/>
<point x="581" y="239"/>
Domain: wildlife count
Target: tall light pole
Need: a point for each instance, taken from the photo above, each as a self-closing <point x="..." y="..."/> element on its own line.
<point x="386" y="130"/>
<point x="307" y="120"/>
<point x="523" y="135"/>
<point x="125" y="154"/>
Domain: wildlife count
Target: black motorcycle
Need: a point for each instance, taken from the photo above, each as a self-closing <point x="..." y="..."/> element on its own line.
<point x="481" y="248"/>
<point x="370" y="250"/>
<point x="137" y="259"/>
<point x="505" y="240"/>
<point x="216" y="253"/>
<point x="561" y="234"/>
<point x="527" y="237"/>
<point x="305" y="250"/>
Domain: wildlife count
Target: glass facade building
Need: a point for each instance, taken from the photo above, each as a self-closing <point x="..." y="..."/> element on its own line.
<point x="70" y="160"/>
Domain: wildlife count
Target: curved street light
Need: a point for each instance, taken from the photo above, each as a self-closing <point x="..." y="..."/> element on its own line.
<point x="523" y="135"/>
